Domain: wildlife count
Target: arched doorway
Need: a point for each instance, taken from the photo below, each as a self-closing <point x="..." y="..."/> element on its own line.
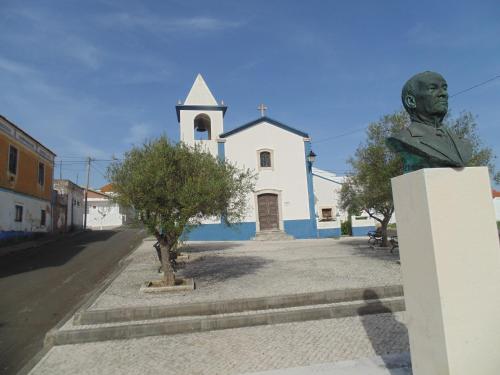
<point x="267" y="206"/>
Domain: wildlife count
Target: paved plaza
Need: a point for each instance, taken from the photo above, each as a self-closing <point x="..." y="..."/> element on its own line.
<point x="224" y="271"/>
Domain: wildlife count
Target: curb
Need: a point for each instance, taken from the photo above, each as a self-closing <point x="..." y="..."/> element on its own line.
<point x="86" y="317"/>
<point x="203" y="324"/>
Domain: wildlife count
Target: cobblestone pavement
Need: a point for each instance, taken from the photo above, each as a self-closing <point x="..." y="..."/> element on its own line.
<point x="234" y="351"/>
<point x="227" y="270"/>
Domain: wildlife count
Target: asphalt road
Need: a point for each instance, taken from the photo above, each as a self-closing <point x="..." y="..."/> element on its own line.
<point x="40" y="286"/>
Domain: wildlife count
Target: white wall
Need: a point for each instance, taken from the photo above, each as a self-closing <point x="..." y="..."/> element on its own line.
<point x="327" y="195"/>
<point x="496" y="202"/>
<point x="287" y="177"/>
<point x="103" y="213"/>
<point x="362" y="221"/>
<point x="32" y="208"/>
<point x="187" y="128"/>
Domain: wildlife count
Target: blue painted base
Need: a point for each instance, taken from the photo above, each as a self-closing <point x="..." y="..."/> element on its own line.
<point x="361" y="231"/>
<point x="221" y="232"/>
<point x="246" y="231"/>
<point x="301" y="229"/>
<point x="328" y="233"/>
<point x="7" y="235"/>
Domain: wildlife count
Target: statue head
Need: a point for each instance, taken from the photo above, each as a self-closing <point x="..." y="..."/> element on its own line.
<point x="425" y="98"/>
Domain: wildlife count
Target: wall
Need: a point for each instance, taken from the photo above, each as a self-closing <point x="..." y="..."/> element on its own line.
<point x="361" y="225"/>
<point x="32" y="208"/>
<point x="288" y="174"/>
<point x="103" y="213"/>
<point x="328" y="229"/>
<point x="496" y="203"/>
<point x="30" y="153"/>
<point x="187" y="132"/>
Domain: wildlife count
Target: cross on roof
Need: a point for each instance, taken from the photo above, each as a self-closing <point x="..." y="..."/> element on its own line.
<point x="262" y="108"/>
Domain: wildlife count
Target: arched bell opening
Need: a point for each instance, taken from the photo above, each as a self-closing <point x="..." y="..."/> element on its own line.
<point x="202" y="127"/>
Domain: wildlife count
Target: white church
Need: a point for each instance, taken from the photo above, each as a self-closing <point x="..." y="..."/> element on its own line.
<point x="291" y="198"/>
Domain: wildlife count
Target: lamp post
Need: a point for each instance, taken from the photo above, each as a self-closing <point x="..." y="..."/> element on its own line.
<point x="311" y="158"/>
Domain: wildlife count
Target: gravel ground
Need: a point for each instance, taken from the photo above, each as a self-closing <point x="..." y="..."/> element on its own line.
<point x="234" y="351"/>
<point x="227" y="270"/>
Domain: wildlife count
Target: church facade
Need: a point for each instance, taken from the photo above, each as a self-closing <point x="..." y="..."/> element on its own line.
<point x="284" y="201"/>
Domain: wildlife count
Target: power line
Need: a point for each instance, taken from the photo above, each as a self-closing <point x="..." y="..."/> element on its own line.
<point x="341" y="135"/>
<point x="478" y="85"/>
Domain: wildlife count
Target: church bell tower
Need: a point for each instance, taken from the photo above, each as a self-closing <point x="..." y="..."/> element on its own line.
<point x="201" y="118"/>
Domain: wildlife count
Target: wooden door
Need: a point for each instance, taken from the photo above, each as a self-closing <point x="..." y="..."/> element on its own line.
<point x="268" y="211"/>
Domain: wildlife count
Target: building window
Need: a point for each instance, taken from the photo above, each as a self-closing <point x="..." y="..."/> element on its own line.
<point x="41" y="173"/>
<point x="326" y="214"/>
<point x="13" y="160"/>
<point x="43" y="218"/>
<point x="19" y="213"/>
<point x="265" y="159"/>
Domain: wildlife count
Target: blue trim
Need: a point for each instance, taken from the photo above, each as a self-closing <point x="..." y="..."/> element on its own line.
<point x="180" y="107"/>
<point x="362" y="231"/>
<point x="329" y="232"/>
<point x="299" y="228"/>
<point x="6" y="235"/>
<point x="310" y="189"/>
<point x="25" y="195"/>
<point x="221" y="232"/>
<point x="221" y="150"/>
<point x="264" y="119"/>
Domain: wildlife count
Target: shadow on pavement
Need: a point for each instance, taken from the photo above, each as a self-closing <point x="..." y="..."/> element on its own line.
<point x="52" y="254"/>
<point x="382" y="338"/>
<point x="216" y="268"/>
<point x="208" y="246"/>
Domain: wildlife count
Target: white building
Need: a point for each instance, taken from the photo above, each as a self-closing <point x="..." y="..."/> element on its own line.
<point x="284" y="198"/>
<point x="496" y="203"/>
<point x="104" y="213"/>
<point x="73" y="197"/>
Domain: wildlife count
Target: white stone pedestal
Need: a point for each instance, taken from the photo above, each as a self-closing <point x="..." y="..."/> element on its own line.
<point x="450" y="259"/>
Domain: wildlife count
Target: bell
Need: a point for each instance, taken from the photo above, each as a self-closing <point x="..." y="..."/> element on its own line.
<point x="201" y="127"/>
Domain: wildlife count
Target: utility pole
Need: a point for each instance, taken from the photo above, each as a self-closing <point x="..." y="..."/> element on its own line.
<point x="60" y="169"/>
<point x="86" y="193"/>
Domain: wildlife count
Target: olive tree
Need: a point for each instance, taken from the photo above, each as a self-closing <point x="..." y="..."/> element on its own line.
<point x="173" y="187"/>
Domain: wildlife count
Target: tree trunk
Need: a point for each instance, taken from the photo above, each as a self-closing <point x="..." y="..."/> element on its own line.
<point x="168" y="271"/>
<point x="383" y="232"/>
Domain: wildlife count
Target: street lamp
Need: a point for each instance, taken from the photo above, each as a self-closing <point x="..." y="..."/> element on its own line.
<point x="311" y="157"/>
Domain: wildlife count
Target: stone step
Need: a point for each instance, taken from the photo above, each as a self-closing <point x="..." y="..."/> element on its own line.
<point x="272" y="235"/>
<point x="124" y="314"/>
<point x="73" y="334"/>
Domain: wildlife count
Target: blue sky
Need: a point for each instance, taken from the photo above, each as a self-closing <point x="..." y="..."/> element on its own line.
<point x="91" y="78"/>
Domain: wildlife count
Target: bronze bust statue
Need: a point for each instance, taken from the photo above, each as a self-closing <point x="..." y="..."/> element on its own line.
<point x="427" y="143"/>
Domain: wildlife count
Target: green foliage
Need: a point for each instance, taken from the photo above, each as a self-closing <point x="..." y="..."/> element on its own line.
<point x="173" y="187"/>
<point x="346" y="228"/>
<point x="465" y="126"/>
<point x="368" y="188"/>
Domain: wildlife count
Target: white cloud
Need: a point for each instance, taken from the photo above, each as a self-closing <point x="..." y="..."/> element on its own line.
<point x="138" y="133"/>
<point x="15" y="67"/>
<point x="155" y="24"/>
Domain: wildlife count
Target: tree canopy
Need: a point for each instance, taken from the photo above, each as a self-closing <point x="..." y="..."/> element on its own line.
<point x="173" y="187"/>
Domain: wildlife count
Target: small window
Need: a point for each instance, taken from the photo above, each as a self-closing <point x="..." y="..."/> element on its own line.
<point x="43" y="218"/>
<point x="13" y="160"/>
<point x="326" y="214"/>
<point x="41" y="173"/>
<point x="265" y="159"/>
<point x="19" y="213"/>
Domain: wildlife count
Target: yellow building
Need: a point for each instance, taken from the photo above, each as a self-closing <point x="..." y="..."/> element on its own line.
<point x="26" y="174"/>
